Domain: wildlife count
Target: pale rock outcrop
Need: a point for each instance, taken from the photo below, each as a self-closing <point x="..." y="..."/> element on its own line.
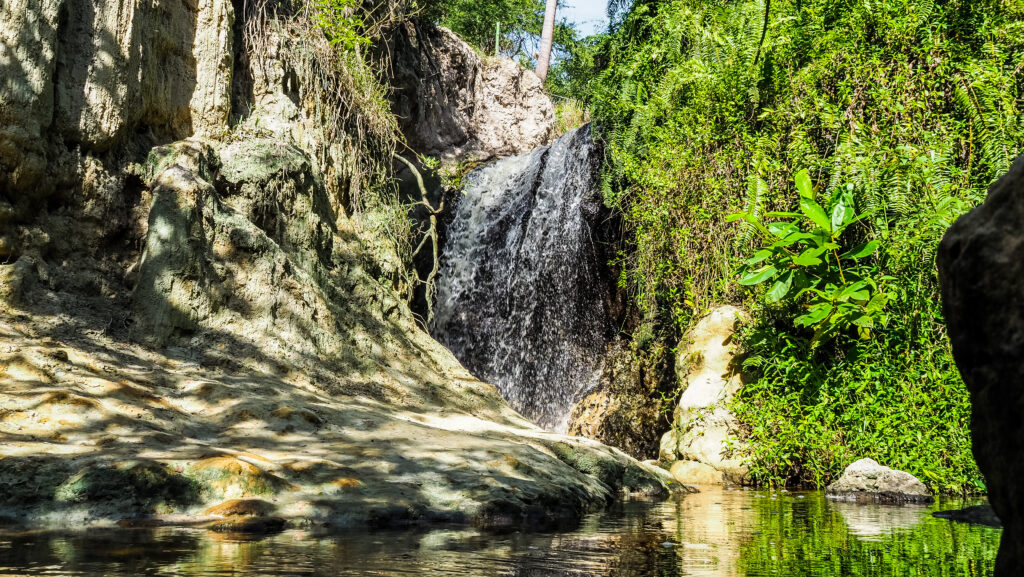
<point x="694" y="473"/>
<point x="867" y="481"/>
<point x="705" y="430"/>
<point x="981" y="264"/>
<point x="164" y="65"/>
<point x="456" y="105"/>
<point x="28" y="56"/>
<point x="83" y="77"/>
<point x="278" y="368"/>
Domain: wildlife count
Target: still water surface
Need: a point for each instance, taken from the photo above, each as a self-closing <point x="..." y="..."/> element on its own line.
<point x="714" y="533"/>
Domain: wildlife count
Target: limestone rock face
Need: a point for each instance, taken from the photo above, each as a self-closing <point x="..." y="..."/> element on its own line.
<point x="981" y="264"/>
<point x="28" y="57"/>
<point x="243" y="240"/>
<point x="867" y="481"/>
<point x="704" y="428"/>
<point x="454" y="104"/>
<point x="89" y="75"/>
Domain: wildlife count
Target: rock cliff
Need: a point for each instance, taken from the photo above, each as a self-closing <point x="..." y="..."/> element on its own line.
<point x="981" y="262"/>
<point x="190" y="314"/>
<point x="454" y="104"/>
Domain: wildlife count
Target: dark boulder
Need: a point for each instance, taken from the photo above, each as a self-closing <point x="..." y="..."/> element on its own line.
<point x="981" y="268"/>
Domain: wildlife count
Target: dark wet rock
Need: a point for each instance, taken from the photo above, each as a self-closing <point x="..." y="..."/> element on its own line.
<point x="978" y="515"/>
<point x="981" y="267"/>
<point x="241" y="508"/>
<point x="249" y="525"/>
<point x="868" y="482"/>
<point x="135" y="484"/>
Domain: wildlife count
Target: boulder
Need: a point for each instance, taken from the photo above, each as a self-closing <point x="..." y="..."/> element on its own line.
<point x="866" y="481"/>
<point x="624" y="411"/>
<point x="705" y="430"/>
<point x="981" y="264"/>
<point x="454" y="104"/>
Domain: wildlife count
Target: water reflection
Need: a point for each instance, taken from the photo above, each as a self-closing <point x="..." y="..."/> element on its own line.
<point x="872" y="521"/>
<point x="715" y="533"/>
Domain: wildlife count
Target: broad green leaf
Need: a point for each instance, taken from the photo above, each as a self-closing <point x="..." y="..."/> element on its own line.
<point x="759" y="256"/>
<point x="855" y="292"/>
<point x="781" y="287"/>
<point x="814" y="212"/>
<point x="859" y="295"/>
<point x="865" y="321"/>
<point x="815" y="315"/>
<point x="806" y="260"/>
<point x="781" y="229"/>
<point x="841" y="215"/>
<point x="794" y="237"/>
<point x="809" y="257"/>
<point x="774" y="214"/>
<point x="877" y="302"/>
<point x="861" y="251"/>
<point x="802" y="283"/>
<point x="803" y="185"/>
<point x="758" y="277"/>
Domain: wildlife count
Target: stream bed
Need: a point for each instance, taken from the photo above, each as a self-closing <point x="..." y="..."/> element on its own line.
<point x="713" y="533"/>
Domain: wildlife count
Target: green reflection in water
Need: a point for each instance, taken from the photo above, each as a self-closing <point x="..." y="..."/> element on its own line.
<point x="814" y="536"/>
<point x="714" y="533"/>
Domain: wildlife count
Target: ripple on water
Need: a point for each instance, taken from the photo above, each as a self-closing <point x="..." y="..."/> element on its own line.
<point x="714" y="533"/>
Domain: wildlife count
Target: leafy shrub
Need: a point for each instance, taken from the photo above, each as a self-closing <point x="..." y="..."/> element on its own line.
<point x="805" y="256"/>
<point x="916" y="104"/>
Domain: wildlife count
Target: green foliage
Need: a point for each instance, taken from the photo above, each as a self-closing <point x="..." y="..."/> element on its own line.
<point x="903" y="109"/>
<point x="340" y="21"/>
<point x="895" y="400"/>
<point x="805" y="256"/>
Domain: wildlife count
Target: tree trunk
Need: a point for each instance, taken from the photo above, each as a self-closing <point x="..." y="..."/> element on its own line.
<point x="546" y="38"/>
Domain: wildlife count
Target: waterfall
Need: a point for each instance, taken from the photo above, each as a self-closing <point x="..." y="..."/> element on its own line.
<point x="522" y="291"/>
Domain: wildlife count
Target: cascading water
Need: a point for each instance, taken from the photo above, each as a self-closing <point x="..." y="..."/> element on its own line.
<point x="522" y="291"/>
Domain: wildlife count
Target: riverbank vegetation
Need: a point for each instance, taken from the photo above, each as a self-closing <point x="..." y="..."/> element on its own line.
<point x="901" y="111"/>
